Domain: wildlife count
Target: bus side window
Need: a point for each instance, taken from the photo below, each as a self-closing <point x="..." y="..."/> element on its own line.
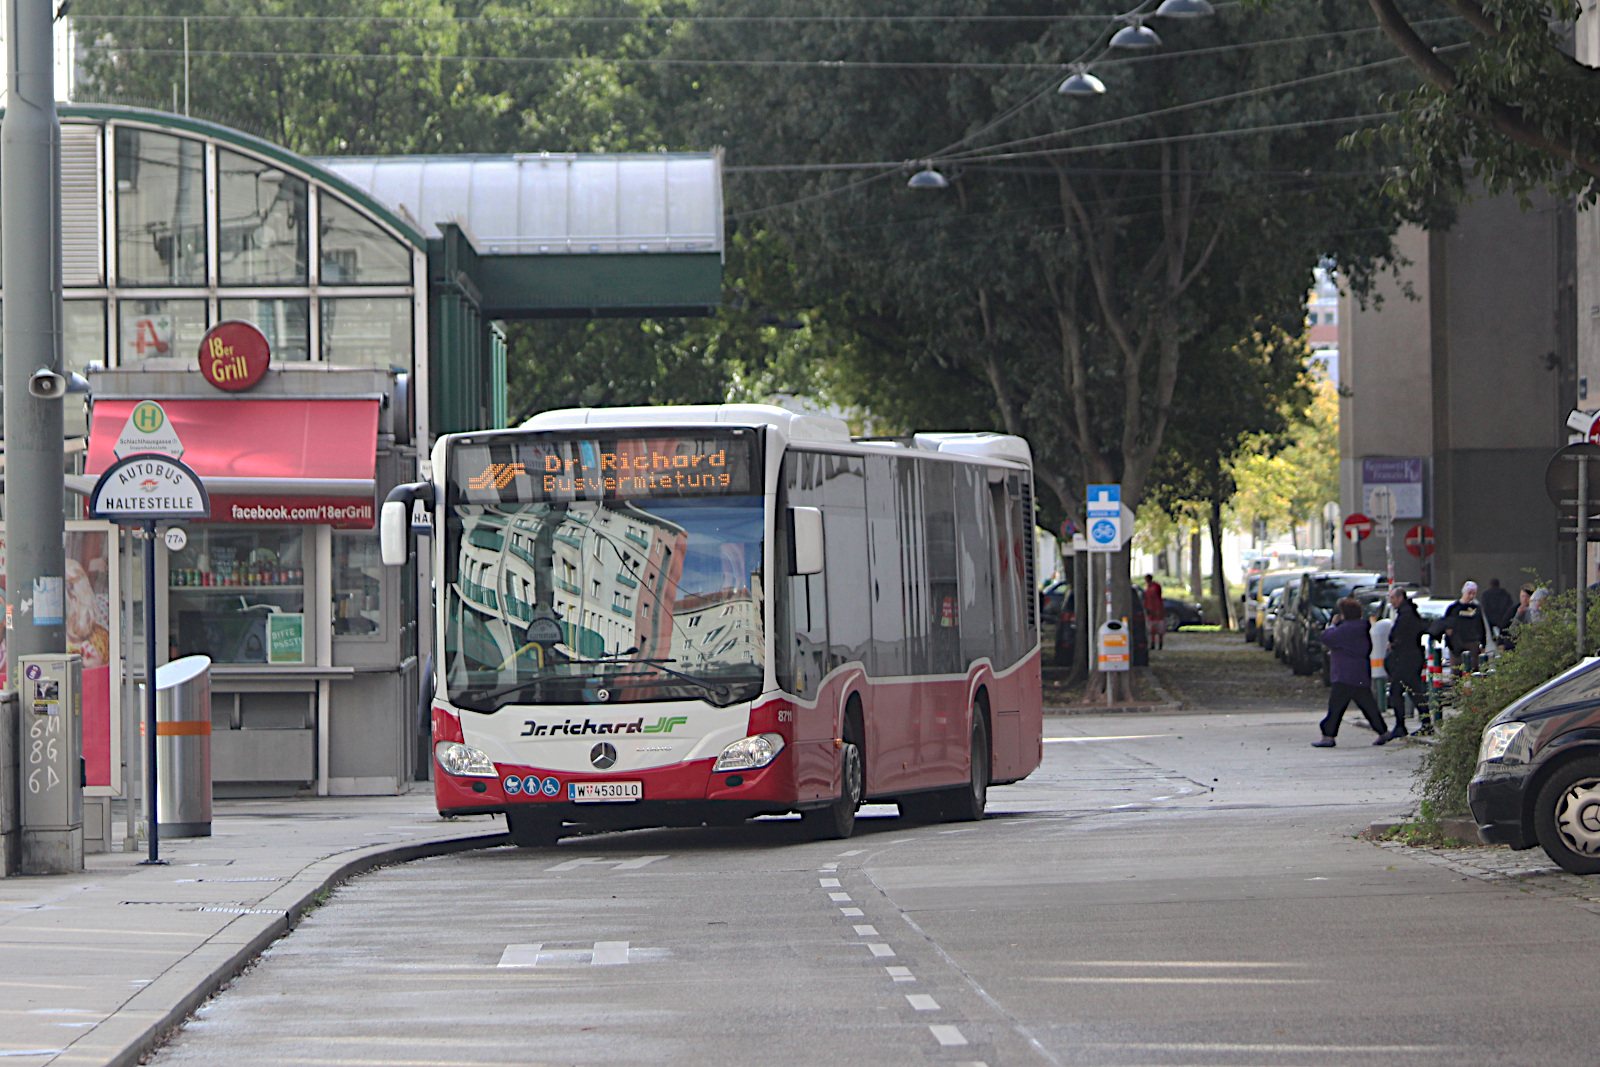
<point x="976" y="566"/>
<point x="801" y="641"/>
<point x="886" y="592"/>
<point x="939" y="543"/>
<point x="844" y="520"/>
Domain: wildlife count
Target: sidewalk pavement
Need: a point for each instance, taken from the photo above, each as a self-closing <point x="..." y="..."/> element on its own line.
<point x="95" y="968"/>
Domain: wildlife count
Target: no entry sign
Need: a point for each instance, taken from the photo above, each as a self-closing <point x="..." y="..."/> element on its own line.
<point x="1419" y="541"/>
<point x="1358" y="527"/>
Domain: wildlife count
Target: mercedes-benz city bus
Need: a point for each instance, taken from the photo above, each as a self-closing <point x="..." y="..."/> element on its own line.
<point x="677" y="616"/>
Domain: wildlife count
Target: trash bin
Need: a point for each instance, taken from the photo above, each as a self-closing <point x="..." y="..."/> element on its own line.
<point x="183" y="746"/>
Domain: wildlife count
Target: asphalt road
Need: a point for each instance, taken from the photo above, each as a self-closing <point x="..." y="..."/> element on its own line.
<point x="1166" y="890"/>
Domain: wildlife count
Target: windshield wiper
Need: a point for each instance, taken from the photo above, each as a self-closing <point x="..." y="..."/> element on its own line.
<point x="530" y="682"/>
<point x="716" y="689"/>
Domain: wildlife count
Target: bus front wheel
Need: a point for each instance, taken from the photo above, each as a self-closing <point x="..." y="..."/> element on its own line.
<point x="838" y="820"/>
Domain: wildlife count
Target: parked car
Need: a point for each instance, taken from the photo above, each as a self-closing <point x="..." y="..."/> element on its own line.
<point x="1181" y="613"/>
<point x="1270" y="583"/>
<point x="1269" y="619"/>
<point x="1538" y="775"/>
<point x="1050" y="598"/>
<point x="1288" y="604"/>
<point x="1067" y="630"/>
<point x="1247" y="603"/>
<point x="1316" y="598"/>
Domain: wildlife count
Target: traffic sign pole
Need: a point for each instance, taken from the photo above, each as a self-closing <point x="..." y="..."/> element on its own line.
<point x="1583" y="549"/>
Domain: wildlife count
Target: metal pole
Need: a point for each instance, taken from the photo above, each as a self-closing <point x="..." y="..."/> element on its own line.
<point x="1583" y="551"/>
<point x="150" y="692"/>
<point x="186" y="66"/>
<point x="30" y="222"/>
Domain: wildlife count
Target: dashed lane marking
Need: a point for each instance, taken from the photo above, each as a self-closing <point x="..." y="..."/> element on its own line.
<point x="610" y="953"/>
<point x="520" y="955"/>
<point x="852" y="852"/>
<point x="948" y="1036"/>
<point x="829" y="867"/>
<point x="922" y="1002"/>
<point x="851" y="913"/>
<point x="601" y="861"/>
<point x="839" y="898"/>
<point x="881" y="950"/>
<point x="901" y="974"/>
<point x="829" y="883"/>
<point x="866" y="931"/>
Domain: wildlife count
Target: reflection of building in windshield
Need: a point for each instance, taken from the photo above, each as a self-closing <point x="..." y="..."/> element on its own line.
<point x="607" y="576"/>
<point x="719" y="628"/>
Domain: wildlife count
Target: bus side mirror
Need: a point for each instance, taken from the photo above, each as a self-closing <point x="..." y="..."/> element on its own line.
<point x="806" y="539"/>
<point x="394" y="526"/>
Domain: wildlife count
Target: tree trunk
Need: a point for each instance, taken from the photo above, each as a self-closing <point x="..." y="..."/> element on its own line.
<point x="1219" y="580"/>
<point x="1197" y="583"/>
<point x="1080" y="600"/>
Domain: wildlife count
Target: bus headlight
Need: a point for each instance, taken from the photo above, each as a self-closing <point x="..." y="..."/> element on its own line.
<point x="1500" y="743"/>
<point x="749" y="753"/>
<point x="462" y="761"/>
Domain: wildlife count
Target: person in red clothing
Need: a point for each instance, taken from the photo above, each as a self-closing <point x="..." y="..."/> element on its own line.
<point x="1155" y="612"/>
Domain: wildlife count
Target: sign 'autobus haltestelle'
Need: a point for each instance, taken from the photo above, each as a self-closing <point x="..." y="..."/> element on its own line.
<point x="148" y="486"/>
<point x="566" y="467"/>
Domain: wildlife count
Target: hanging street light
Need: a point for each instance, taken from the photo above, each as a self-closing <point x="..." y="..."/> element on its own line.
<point x="1081" y="83"/>
<point x="1185" y="9"/>
<point x="1136" y="35"/>
<point x="927" y="178"/>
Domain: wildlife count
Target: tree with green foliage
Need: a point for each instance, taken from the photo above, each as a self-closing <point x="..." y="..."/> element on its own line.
<point x="1059" y="286"/>
<point x="1503" y="101"/>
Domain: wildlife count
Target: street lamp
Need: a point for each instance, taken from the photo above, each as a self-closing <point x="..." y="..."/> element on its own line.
<point x="1185" y="9"/>
<point x="1081" y="83"/>
<point x="1136" y="35"/>
<point x="927" y="178"/>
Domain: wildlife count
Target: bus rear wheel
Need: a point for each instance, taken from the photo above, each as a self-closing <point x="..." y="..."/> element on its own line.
<point x="532" y="829"/>
<point x="837" y="821"/>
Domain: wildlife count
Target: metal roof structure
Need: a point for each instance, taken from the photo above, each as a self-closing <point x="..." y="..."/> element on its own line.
<point x="551" y="203"/>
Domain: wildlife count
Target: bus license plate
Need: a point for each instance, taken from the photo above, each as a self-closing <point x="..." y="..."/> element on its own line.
<point x="602" y="792"/>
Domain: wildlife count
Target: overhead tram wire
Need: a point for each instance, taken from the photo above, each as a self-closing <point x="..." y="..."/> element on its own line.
<point x="792" y="64"/>
<point x="612" y="19"/>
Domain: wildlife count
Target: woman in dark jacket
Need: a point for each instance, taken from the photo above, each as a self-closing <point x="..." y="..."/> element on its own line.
<point x="1404" y="663"/>
<point x="1349" y="645"/>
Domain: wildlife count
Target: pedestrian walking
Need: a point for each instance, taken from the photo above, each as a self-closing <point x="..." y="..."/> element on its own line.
<point x="1498" y="607"/>
<point x="1464" y="628"/>
<point x="1404" y="662"/>
<point x="1155" y="612"/>
<point x="1349" y="645"/>
<point x="1381" y="624"/>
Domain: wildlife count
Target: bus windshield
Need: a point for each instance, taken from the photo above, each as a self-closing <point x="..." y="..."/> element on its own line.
<point x="562" y="592"/>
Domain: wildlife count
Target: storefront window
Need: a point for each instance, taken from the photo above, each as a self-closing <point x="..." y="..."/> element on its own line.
<point x="357" y="586"/>
<point x="161" y="230"/>
<point x="83" y="342"/>
<point x="367" y="331"/>
<point x="355" y="251"/>
<point x="160" y="328"/>
<point x="261" y="213"/>
<point x="237" y="594"/>
<point x="286" y="324"/>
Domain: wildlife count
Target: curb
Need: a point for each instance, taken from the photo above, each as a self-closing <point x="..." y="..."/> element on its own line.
<point x="1115" y="709"/>
<point x="129" y="1034"/>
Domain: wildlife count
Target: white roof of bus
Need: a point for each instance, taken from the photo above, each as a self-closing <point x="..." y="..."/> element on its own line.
<point x="793" y="425"/>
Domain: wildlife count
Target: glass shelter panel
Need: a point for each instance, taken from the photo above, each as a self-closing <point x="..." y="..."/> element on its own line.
<point x="161" y="231"/>
<point x="261" y="213"/>
<point x="356" y="251"/>
<point x="236" y="593"/>
<point x="357" y="586"/>
<point x="83" y="342"/>
<point x="159" y="328"/>
<point x="286" y="324"/>
<point x="367" y="331"/>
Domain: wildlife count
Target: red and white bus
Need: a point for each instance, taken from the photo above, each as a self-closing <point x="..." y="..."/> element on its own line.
<point x="674" y="616"/>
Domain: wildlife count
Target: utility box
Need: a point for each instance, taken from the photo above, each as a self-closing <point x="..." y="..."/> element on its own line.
<point x="1114" y="654"/>
<point x="51" y="707"/>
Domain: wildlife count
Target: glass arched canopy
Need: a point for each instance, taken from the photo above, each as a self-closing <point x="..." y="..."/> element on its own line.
<point x="170" y="225"/>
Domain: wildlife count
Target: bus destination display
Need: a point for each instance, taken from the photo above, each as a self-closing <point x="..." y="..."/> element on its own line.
<point x="558" y="467"/>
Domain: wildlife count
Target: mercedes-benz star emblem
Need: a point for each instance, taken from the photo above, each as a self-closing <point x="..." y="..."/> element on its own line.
<point x="603" y="755"/>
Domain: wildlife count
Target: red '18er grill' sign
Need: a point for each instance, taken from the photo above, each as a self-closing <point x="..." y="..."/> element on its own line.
<point x="234" y="355"/>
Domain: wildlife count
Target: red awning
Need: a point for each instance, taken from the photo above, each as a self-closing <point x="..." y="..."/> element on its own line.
<point x="262" y="460"/>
